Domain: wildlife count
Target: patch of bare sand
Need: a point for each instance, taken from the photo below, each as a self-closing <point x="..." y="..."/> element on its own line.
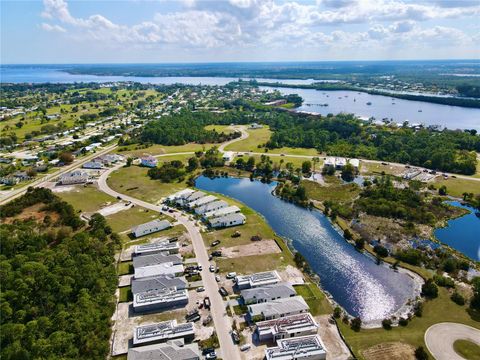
<point x="292" y="275"/>
<point x="390" y="351"/>
<point x="33" y="212"/>
<point x="255" y="248"/>
<point x="336" y="347"/>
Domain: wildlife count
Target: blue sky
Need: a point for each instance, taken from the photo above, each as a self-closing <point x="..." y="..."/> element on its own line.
<point x="88" y="31"/>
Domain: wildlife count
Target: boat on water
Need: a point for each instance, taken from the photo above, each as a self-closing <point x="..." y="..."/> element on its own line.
<point x="369" y="103"/>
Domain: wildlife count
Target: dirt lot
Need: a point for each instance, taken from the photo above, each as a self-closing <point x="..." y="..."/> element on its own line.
<point x="255" y="248"/>
<point x="337" y="350"/>
<point x="391" y="351"/>
<point x="292" y="275"/>
<point x="128" y="250"/>
<point x="114" y="208"/>
<point x="33" y="212"/>
<point x="126" y="320"/>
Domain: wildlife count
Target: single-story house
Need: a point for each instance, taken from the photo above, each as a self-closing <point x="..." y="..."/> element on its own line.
<point x="212" y="206"/>
<point x="228" y="220"/>
<point x="159" y="269"/>
<point x="171" y="247"/>
<point x="308" y="347"/>
<point x="155" y="259"/>
<point x="158" y="283"/>
<point x="74" y="177"/>
<point x="163" y="331"/>
<point x="267" y="293"/>
<point x="159" y="300"/>
<point x="278" y="308"/>
<point x="149" y="161"/>
<point x="182" y="194"/>
<point x="258" y="279"/>
<point x="150" y="227"/>
<point x="184" y="200"/>
<point x="221" y="212"/>
<point x="202" y="201"/>
<point x="171" y="350"/>
<point x="92" y="165"/>
<point x="286" y="327"/>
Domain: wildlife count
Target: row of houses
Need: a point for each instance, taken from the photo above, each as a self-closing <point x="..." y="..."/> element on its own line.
<point x="340" y="162"/>
<point x="217" y="213"/>
<point x="281" y="316"/>
<point x="102" y="161"/>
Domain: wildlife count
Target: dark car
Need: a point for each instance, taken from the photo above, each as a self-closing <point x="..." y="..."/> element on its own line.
<point x="206" y="302"/>
<point x="208" y="351"/>
<point x="217" y="253"/>
<point x="223" y="291"/>
<point x="215" y="243"/>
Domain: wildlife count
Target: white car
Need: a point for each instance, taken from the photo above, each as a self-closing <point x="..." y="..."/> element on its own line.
<point x="245" y="347"/>
<point x="200" y="289"/>
<point x="212" y="268"/>
<point x="231" y="275"/>
<point x="217" y="278"/>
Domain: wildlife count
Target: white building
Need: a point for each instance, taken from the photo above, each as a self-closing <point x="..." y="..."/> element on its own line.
<point x="286" y="327"/>
<point x="182" y="194"/>
<point x="186" y="199"/>
<point x="148" y="161"/>
<point x="213" y="206"/>
<point x="159" y="299"/>
<point x="258" y="279"/>
<point x="278" y="308"/>
<point x="74" y="177"/>
<point x="150" y="227"/>
<point x="159" y="269"/>
<point x="228" y="156"/>
<point x="202" y="201"/>
<point x="355" y="163"/>
<point x="222" y="212"/>
<point x="298" y="348"/>
<point x="163" y="331"/>
<point x="169" y="246"/>
<point x="228" y="220"/>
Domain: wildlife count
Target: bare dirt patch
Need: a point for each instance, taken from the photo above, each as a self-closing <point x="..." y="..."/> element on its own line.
<point x="114" y="208"/>
<point x="292" y="275"/>
<point x="33" y="212"/>
<point x="391" y="351"/>
<point x="337" y="350"/>
<point x="255" y="248"/>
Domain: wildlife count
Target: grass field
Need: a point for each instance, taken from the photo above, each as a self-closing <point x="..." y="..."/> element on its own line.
<point x="295" y="151"/>
<point x="177" y="230"/>
<point x="333" y="192"/>
<point x="255" y="263"/>
<point x="124" y="220"/>
<point x="315" y="298"/>
<point x="86" y="199"/>
<point x="135" y="182"/>
<point x="469" y="350"/>
<point x="135" y="150"/>
<point x="437" y="310"/>
<point x="456" y="187"/>
<point x="256" y="137"/>
<point x="220" y="128"/>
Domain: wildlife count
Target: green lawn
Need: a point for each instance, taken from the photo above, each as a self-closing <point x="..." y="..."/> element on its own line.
<point x="172" y="232"/>
<point x="136" y="150"/>
<point x="332" y="192"/>
<point x="86" y="199"/>
<point x="135" y="182"/>
<point x="469" y="350"/>
<point x="256" y="137"/>
<point x="255" y="263"/>
<point x="441" y="309"/>
<point x="315" y="298"/>
<point x="295" y="151"/>
<point x="456" y="187"/>
<point x="124" y="220"/>
<point x="125" y="268"/>
<point x="226" y="129"/>
<point x="125" y="294"/>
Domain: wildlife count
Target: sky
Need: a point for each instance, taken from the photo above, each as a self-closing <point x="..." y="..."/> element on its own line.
<point x="157" y="31"/>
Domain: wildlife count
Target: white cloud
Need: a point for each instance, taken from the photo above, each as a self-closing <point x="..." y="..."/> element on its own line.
<point x="53" y="28"/>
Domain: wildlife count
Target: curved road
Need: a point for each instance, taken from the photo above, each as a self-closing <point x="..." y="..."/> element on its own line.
<point x="440" y="338"/>
<point x="222" y="322"/>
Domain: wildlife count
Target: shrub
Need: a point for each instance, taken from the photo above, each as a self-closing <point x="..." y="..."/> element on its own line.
<point x="458" y="298"/>
<point x="387" y="324"/>
<point x="356" y="324"/>
<point x="403" y="322"/>
<point x="380" y="250"/>
<point x="337" y="312"/>
<point x="429" y="289"/>
<point x="420" y="353"/>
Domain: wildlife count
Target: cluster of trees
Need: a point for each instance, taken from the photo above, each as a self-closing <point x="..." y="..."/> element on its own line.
<point x="343" y="135"/>
<point x="168" y="172"/>
<point x="385" y="200"/>
<point x="184" y="128"/>
<point x="57" y="283"/>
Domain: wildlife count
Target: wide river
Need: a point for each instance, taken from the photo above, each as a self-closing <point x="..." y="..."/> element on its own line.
<point x="353" y="102"/>
<point x="354" y="280"/>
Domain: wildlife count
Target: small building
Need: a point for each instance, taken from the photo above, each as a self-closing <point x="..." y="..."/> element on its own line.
<point x="340" y="162"/>
<point x="228" y="156"/>
<point x="155" y="259"/>
<point x="171" y="247"/>
<point x="163" y="331"/>
<point x="202" y="201"/>
<point x="150" y="227"/>
<point x="276" y="102"/>
<point x="149" y="161"/>
<point x="159" y="269"/>
<point x="255" y="126"/>
<point x="184" y="200"/>
<point x="278" y="308"/>
<point x="258" y="279"/>
<point x="92" y="165"/>
<point x="286" y="327"/>
<point x="355" y="163"/>
<point x="222" y="212"/>
<point x="182" y="194"/>
<point x="171" y="350"/>
<point x="329" y="161"/>
<point x="159" y="300"/>
<point x="161" y="282"/>
<point x="267" y="293"/>
<point x="212" y="206"/>
<point x="298" y="348"/>
<point x="74" y="177"/>
<point x="228" y="220"/>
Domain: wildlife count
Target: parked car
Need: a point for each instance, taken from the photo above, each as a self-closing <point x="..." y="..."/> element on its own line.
<point x="223" y="291"/>
<point x="217" y="253"/>
<point x="231" y="275"/>
<point x="199" y="267"/>
<point x="200" y="289"/>
<point x="235" y="336"/>
<point x="208" y="351"/>
<point x="212" y="268"/>
<point x="206" y="302"/>
<point x="215" y="243"/>
<point x="245" y="347"/>
<point x="165" y="208"/>
<point x="217" y="278"/>
<point x="211" y="355"/>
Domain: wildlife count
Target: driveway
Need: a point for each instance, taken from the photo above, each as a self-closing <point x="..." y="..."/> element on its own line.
<point x="440" y="338"/>
<point x="223" y="325"/>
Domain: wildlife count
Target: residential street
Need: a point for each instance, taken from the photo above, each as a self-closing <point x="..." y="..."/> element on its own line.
<point x="221" y="320"/>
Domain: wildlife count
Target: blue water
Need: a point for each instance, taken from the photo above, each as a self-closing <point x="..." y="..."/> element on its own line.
<point x="354" y="280"/>
<point x="398" y="110"/>
<point x="462" y="233"/>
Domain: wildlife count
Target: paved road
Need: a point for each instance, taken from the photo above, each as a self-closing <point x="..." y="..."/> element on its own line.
<point x="244" y="135"/>
<point x="20" y="191"/>
<point x="223" y="325"/>
<point x="440" y="338"/>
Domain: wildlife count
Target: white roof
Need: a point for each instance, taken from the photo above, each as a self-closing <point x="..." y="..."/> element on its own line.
<point x="223" y="211"/>
<point x="160" y="269"/>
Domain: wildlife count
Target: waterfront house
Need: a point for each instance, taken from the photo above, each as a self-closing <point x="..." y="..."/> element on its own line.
<point x="256" y="280"/>
<point x="267" y="293"/>
<point x="150" y="227"/>
<point x="212" y="206"/>
<point x="222" y="212"/>
<point x="202" y="201"/>
<point x="228" y="220"/>
<point x="278" y="308"/>
<point x="286" y="327"/>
